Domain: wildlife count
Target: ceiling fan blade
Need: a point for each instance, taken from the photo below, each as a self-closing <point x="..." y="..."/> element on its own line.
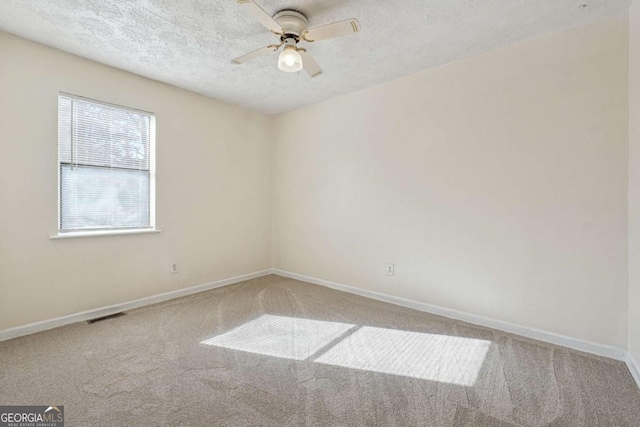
<point x="338" y="29"/>
<point x="256" y="53"/>
<point x="309" y="64"/>
<point x="260" y="15"/>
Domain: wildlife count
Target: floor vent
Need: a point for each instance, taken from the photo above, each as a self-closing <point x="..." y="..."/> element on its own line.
<point x="100" y="319"/>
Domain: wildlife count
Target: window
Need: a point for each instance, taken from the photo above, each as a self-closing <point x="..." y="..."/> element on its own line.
<point x="106" y="167"/>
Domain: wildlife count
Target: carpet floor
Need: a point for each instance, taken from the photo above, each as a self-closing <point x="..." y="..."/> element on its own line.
<point x="279" y="352"/>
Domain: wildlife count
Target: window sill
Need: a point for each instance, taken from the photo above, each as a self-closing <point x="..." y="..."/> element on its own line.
<point x="75" y="234"/>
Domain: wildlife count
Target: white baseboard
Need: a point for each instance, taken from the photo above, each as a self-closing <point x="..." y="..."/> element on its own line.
<point x="634" y="368"/>
<point x="130" y="305"/>
<point x="549" y="337"/>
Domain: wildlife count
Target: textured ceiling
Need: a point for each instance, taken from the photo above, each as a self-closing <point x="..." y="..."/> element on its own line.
<point x="189" y="43"/>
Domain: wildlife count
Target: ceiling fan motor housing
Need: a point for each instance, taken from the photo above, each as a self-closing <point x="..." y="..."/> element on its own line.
<point x="294" y="23"/>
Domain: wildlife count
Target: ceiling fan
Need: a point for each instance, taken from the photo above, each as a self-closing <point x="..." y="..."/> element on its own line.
<point x="291" y="28"/>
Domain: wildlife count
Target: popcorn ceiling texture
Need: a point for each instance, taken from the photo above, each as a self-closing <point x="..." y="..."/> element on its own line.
<point x="190" y="43"/>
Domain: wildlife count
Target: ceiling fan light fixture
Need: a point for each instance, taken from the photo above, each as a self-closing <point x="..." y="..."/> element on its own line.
<point x="290" y="60"/>
<point x="291" y="28"/>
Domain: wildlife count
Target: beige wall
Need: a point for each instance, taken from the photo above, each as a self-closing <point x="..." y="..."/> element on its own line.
<point x="634" y="180"/>
<point x="213" y="191"/>
<point x="497" y="185"/>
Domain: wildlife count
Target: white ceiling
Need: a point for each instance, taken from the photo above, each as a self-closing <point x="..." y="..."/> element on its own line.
<point x="190" y="43"/>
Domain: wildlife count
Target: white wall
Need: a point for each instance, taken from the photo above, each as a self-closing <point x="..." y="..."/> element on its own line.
<point x="213" y="191"/>
<point x="497" y="185"/>
<point x="634" y="181"/>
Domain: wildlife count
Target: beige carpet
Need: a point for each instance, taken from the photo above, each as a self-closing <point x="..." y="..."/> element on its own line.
<point x="275" y="351"/>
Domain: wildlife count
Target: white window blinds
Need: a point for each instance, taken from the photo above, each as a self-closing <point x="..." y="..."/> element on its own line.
<point x="105" y="165"/>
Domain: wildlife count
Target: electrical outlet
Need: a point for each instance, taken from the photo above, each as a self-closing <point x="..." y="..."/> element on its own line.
<point x="174" y="268"/>
<point x="390" y="270"/>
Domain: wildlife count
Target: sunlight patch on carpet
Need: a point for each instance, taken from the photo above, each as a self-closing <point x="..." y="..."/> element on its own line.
<point x="433" y="357"/>
<point x="281" y="336"/>
<point x="442" y="358"/>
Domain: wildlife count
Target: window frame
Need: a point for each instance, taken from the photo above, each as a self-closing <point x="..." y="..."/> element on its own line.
<point x="68" y="233"/>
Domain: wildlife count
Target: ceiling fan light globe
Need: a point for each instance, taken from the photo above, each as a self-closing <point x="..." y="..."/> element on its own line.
<point x="290" y="60"/>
